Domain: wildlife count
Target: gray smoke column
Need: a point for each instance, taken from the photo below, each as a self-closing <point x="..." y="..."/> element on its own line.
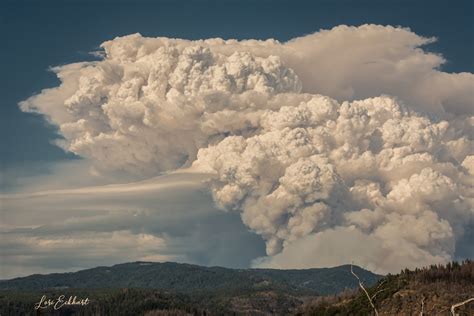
<point x="344" y="145"/>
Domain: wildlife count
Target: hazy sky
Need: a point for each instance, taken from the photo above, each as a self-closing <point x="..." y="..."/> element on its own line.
<point x="77" y="222"/>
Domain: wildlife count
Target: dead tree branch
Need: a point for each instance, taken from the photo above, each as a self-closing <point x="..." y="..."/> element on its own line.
<point x="381" y="283"/>
<point x="453" y="307"/>
<point x="375" y="294"/>
<point x="361" y="285"/>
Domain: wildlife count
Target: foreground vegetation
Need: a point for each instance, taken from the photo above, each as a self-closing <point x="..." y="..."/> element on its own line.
<point x="427" y="291"/>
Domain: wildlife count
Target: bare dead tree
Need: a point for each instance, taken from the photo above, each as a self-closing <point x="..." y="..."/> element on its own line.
<point x="422" y="306"/>
<point x="361" y="285"/>
<point x="453" y="307"/>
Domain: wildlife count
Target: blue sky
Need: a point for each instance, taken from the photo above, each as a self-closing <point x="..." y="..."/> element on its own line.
<point x="41" y="34"/>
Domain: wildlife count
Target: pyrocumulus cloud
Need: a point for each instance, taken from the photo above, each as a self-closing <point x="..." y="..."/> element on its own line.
<point x="345" y="145"/>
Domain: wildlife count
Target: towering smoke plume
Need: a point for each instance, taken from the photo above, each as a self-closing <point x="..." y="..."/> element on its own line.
<point x="379" y="172"/>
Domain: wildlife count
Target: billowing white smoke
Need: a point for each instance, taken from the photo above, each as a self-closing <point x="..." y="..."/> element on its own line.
<point x="385" y="182"/>
<point x="373" y="167"/>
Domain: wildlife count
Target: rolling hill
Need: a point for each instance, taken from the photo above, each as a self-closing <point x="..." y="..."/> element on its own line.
<point x="187" y="278"/>
<point x="145" y="286"/>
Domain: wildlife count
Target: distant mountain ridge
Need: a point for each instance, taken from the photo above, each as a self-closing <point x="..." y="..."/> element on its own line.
<point x="188" y="278"/>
